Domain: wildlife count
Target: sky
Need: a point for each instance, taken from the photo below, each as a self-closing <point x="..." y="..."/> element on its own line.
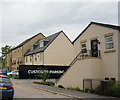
<point x="22" y="19"/>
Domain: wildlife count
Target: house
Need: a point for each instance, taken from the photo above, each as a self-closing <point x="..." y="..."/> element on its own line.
<point x="97" y="51"/>
<point x="56" y="50"/>
<point x="16" y="56"/>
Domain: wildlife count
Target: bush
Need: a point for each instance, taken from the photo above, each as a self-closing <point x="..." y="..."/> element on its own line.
<point x="87" y="90"/>
<point x="49" y="83"/>
<point x="45" y="83"/>
<point x="109" y="88"/>
<point x="114" y="90"/>
<point x="44" y="75"/>
<point x="60" y="86"/>
<point x="92" y="90"/>
<point x="15" y="77"/>
<point x="74" y="88"/>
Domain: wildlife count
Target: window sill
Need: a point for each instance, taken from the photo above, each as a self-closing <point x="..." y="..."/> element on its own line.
<point x="109" y="51"/>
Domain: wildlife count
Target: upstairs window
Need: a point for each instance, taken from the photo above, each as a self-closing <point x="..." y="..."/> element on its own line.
<point x="31" y="48"/>
<point x="109" y="42"/>
<point x="41" y="44"/>
<point x="83" y="47"/>
<point x="26" y="59"/>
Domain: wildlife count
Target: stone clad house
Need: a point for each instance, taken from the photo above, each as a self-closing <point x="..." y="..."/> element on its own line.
<point x="55" y="49"/>
<point x="16" y="56"/>
<point x="97" y="56"/>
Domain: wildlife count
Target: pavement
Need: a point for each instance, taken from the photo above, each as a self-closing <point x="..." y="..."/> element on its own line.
<point x="64" y="92"/>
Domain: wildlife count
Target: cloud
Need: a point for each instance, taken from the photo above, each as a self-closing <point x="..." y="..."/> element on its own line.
<point x="21" y="20"/>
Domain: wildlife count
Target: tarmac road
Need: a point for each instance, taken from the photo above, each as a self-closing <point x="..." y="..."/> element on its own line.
<point x="23" y="91"/>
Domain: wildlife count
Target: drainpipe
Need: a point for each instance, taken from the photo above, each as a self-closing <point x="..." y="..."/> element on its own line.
<point x="32" y="60"/>
<point x="43" y="58"/>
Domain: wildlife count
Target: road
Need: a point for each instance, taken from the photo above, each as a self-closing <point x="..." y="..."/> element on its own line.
<point x="24" y="91"/>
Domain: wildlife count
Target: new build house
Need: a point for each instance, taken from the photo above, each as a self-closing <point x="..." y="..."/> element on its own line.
<point x="16" y="56"/>
<point x="97" y="51"/>
<point x="55" y="49"/>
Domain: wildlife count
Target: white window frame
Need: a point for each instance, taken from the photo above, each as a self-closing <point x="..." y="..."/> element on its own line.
<point x="83" y="48"/>
<point x="41" y="44"/>
<point x="109" y="43"/>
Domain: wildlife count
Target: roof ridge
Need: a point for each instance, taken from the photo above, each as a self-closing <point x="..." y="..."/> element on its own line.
<point x="51" y="39"/>
<point x="25" y="41"/>
<point x="106" y="25"/>
<point x="100" y="24"/>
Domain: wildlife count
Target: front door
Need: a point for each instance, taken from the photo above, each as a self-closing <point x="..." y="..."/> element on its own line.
<point x="94" y="48"/>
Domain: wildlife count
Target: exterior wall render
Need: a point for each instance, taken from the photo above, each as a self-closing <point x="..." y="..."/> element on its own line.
<point x="86" y="68"/>
<point x="59" y="52"/>
<point x="109" y="60"/>
<point x="107" y="66"/>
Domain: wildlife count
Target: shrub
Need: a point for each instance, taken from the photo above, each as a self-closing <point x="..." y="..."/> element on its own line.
<point x="44" y="75"/>
<point x="92" y="90"/>
<point x="45" y="83"/>
<point x="60" y="86"/>
<point x="15" y="77"/>
<point x="114" y="90"/>
<point x="49" y="83"/>
<point x="87" y="90"/>
<point x="74" y="88"/>
<point x="41" y="82"/>
<point x="109" y="88"/>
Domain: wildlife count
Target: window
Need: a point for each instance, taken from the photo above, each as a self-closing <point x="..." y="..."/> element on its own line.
<point x="41" y="44"/>
<point x="109" y="42"/>
<point x="41" y="56"/>
<point x="31" y="47"/>
<point x="83" y="47"/>
<point x="14" y="61"/>
<point x="35" y="57"/>
<point x="20" y="60"/>
<point x="30" y="58"/>
<point x="26" y="59"/>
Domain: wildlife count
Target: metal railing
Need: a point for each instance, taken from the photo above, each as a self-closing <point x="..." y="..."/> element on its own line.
<point x="86" y="54"/>
<point x="89" y="53"/>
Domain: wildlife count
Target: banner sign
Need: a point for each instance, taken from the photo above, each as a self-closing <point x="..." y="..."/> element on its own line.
<point x="31" y="71"/>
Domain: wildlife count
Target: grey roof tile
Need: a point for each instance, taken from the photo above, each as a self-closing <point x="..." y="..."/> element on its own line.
<point x="41" y="49"/>
<point x="100" y="24"/>
<point x="21" y="44"/>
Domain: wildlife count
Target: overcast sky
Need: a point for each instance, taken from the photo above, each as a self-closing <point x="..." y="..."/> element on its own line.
<point x="21" y="20"/>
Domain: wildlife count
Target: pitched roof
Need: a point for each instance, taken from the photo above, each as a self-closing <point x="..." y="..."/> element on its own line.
<point x="100" y="24"/>
<point x="107" y="25"/>
<point x="51" y="38"/>
<point x="24" y="42"/>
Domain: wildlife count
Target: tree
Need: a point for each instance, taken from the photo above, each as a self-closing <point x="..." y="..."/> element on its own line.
<point x="44" y="75"/>
<point x="5" y="50"/>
